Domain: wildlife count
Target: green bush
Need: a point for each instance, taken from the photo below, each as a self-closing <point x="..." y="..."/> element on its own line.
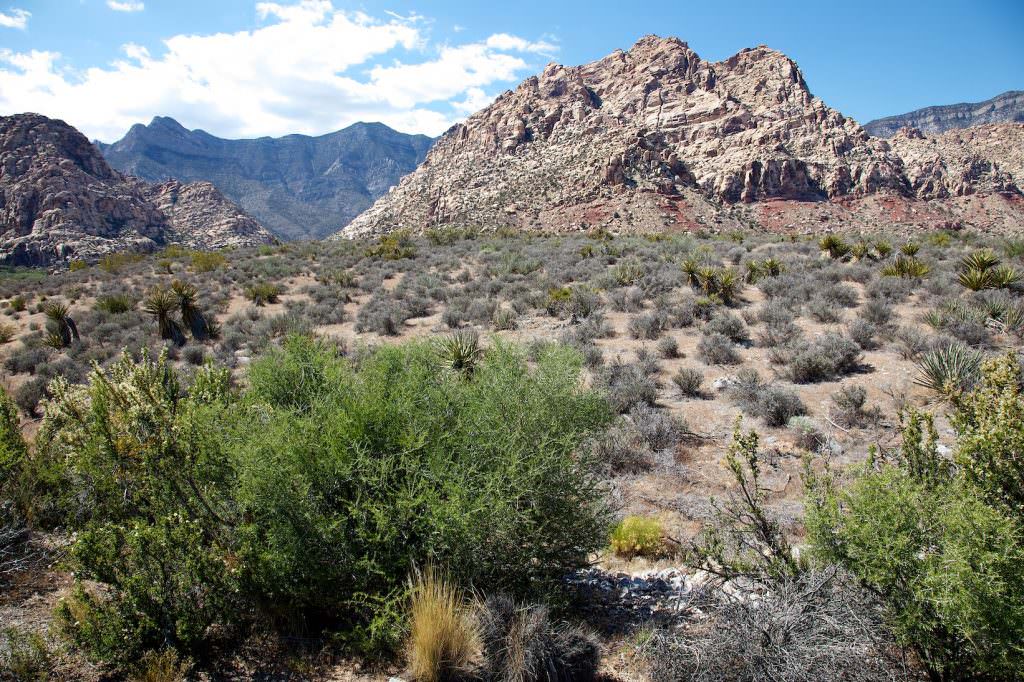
<point x="311" y="497"/>
<point x="637" y="536"/>
<point x="942" y="545"/>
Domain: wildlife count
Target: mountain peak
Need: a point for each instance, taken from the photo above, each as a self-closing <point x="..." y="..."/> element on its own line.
<point x="651" y="136"/>
<point x="1005" y="108"/>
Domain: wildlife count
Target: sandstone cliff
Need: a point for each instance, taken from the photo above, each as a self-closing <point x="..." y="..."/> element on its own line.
<point x="655" y="137"/>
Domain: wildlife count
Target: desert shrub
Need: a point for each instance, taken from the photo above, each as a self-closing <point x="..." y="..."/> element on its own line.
<point x="522" y="643"/>
<point x="443" y="635"/>
<point x="115" y="304"/>
<point x="270" y="501"/>
<point x="627" y="385"/>
<point x="808" y="435"/>
<point x="848" y="407"/>
<point x="629" y="300"/>
<point x="668" y="348"/>
<point x="29" y="394"/>
<point x="637" y="536"/>
<point x="824" y="311"/>
<point x="717" y="349"/>
<point x="395" y="246"/>
<point x="207" y="261"/>
<point x="827" y="357"/>
<point x="687" y="381"/>
<point x="646" y="326"/>
<point x="504" y="319"/>
<point x="263" y="293"/>
<point x="728" y="325"/>
<point x="946" y="559"/>
<point x="385" y="316"/>
<point x="814" y="627"/>
<point x="658" y="428"/>
<point x="25" y="656"/>
<point x="7" y="332"/>
<point x="161" y="666"/>
<point x="772" y="403"/>
<point x="877" y="311"/>
<point x="623" y="449"/>
<point x="863" y="333"/>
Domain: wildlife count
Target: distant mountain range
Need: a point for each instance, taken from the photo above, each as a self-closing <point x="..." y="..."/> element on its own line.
<point x="297" y="186"/>
<point x="1005" y="108"/>
<point x="60" y="200"/>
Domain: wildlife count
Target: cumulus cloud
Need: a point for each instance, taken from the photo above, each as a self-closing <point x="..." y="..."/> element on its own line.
<point x="128" y="6"/>
<point x="15" y="18"/>
<point x="307" y="67"/>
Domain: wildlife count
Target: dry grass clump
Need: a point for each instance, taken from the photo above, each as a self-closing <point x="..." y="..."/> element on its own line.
<point x="444" y="637"/>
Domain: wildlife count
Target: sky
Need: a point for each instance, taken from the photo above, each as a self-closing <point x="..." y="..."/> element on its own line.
<point x="248" y="68"/>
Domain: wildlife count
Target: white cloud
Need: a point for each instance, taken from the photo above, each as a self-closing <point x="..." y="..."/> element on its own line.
<point x="307" y="68"/>
<point x="16" y="18"/>
<point x="127" y="6"/>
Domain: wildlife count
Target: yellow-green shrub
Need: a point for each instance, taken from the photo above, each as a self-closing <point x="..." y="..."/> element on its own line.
<point x="637" y="536"/>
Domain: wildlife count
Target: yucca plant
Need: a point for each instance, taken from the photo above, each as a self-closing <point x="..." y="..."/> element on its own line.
<point x="860" y="250"/>
<point x="1013" y="247"/>
<point x="727" y="284"/>
<point x="834" y="246"/>
<point x="707" y="279"/>
<point x="263" y="293"/>
<point x="754" y="272"/>
<point x="191" y="316"/>
<point x="61" y="329"/>
<point x="162" y="303"/>
<point x="975" y="279"/>
<point x="934" y="318"/>
<point x="691" y="266"/>
<point x="906" y="266"/>
<point x="461" y="351"/>
<point x="772" y="267"/>
<point x="979" y="260"/>
<point x="1005" y="277"/>
<point x="883" y="248"/>
<point x="910" y="249"/>
<point x="949" y="371"/>
<point x="628" y="272"/>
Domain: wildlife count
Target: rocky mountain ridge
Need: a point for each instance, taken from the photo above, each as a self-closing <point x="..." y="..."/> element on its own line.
<point x="60" y="200"/>
<point x="1005" y="108"/>
<point x="299" y="187"/>
<point x="655" y="137"/>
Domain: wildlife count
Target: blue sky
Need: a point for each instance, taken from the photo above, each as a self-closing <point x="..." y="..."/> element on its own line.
<point x="248" y="68"/>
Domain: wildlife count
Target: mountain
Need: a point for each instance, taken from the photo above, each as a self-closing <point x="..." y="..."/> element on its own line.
<point x="299" y="187"/>
<point x="60" y="200"/>
<point x="1005" y="108"/>
<point x="655" y="137"/>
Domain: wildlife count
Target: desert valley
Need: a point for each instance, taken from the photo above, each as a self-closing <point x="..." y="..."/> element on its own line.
<point x="653" y="368"/>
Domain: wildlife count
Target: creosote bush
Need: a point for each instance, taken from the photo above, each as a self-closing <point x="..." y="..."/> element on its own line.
<point x="310" y="497"/>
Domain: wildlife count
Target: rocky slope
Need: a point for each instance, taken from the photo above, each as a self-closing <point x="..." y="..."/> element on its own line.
<point x="656" y="137"/>
<point x="60" y="200"/>
<point x="299" y="187"/>
<point x="1005" y="108"/>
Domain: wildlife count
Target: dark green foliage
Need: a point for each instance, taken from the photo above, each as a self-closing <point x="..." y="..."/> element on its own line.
<point x="942" y="545"/>
<point x="311" y="497"/>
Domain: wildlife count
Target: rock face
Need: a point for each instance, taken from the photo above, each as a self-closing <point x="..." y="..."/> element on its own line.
<point x="299" y="187"/>
<point x="59" y="200"/>
<point x="200" y="217"/>
<point x="655" y="137"/>
<point x="1005" y="108"/>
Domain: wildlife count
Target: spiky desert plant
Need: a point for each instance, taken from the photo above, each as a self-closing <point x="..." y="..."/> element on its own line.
<point x="691" y="266"/>
<point x="949" y="371"/>
<point x="860" y="250"/>
<point x="910" y="249"/>
<point x="707" y="279"/>
<point x="443" y="635"/>
<point x="1005" y="277"/>
<point x="883" y="248"/>
<point x="834" y="246"/>
<point x="979" y="260"/>
<point x="906" y="266"/>
<point x="773" y="267"/>
<point x="191" y="316"/>
<point x="263" y="293"/>
<point x="754" y="272"/>
<point x="60" y="326"/>
<point x="161" y="303"/>
<point x="460" y="351"/>
<point x="728" y="284"/>
<point x="975" y="279"/>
